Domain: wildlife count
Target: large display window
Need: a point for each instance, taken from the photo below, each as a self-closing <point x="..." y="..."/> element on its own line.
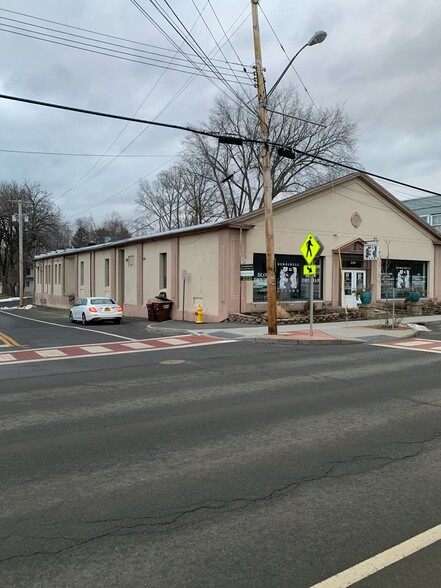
<point x="292" y="285"/>
<point x="404" y="276"/>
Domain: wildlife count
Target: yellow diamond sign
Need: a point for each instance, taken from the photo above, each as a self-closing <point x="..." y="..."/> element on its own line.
<point x="311" y="248"/>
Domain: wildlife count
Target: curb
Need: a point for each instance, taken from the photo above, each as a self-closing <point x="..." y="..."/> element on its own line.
<point x="281" y="341"/>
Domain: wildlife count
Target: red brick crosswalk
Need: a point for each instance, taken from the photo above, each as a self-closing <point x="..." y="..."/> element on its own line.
<point x="99" y="349"/>
<point x="430" y="345"/>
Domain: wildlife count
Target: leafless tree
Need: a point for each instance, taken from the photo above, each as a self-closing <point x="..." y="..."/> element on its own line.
<point x="212" y="180"/>
<point x="87" y="231"/>
<point x="44" y="228"/>
<point x="179" y="197"/>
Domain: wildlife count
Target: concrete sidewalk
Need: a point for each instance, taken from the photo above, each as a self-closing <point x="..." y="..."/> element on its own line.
<point x="367" y="331"/>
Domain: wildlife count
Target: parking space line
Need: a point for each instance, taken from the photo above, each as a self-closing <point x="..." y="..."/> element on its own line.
<point x="382" y="560"/>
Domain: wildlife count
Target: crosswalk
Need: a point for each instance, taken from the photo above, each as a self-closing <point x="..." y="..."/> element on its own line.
<point x="428" y="345"/>
<point x="100" y="349"/>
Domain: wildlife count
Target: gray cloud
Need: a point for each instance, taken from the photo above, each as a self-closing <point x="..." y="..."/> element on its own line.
<point x="380" y="60"/>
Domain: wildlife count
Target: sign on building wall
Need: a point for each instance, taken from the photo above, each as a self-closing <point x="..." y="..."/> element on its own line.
<point x="371" y="251"/>
<point x="247" y="272"/>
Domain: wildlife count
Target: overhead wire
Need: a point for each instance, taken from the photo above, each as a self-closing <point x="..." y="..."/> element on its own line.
<point x="80" y="183"/>
<point x="125" y="39"/>
<point x="123" y="55"/>
<point x="215" y="40"/>
<point x="64" y="154"/>
<point x="199" y="52"/>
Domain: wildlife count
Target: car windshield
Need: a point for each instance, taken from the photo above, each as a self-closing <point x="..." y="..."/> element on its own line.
<point x="102" y="301"/>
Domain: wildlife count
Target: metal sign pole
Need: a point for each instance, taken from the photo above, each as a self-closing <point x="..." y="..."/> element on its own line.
<point x="311" y="305"/>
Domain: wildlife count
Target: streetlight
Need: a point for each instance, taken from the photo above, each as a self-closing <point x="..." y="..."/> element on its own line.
<point x="318" y="37"/>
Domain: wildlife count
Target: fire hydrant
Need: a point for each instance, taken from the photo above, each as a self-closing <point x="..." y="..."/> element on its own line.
<point x="198" y="315"/>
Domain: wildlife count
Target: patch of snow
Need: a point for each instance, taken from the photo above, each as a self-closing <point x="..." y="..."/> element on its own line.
<point x="417" y="327"/>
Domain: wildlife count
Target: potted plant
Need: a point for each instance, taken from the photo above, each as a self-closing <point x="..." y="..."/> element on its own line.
<point x="364" y="293"/>
<point x="413" y="295"/>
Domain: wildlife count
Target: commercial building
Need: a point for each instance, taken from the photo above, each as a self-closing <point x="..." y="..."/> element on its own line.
<point x="201" y="265"/>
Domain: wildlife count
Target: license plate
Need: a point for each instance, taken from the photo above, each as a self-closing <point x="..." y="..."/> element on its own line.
<point x="107" y="309"/>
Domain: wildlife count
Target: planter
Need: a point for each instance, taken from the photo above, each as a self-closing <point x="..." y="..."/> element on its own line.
<point x="366" y="297"/>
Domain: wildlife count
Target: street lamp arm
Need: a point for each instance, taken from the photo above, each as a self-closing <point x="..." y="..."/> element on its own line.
<point x="317" y="37"/>
<point x="279" y="79"/>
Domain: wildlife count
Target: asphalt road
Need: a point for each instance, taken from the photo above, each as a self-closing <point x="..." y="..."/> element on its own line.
<point x="238" y="464"/>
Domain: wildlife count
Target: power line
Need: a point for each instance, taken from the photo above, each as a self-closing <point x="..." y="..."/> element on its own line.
<point x="80" y="183"/>
<point x="59" y="153"/>
<point x="89" y="31"/>
<point x="120" y="191"/>
<point x="116" y="54"/>
<point x="202" y="56"/>
<point x="108" y="115"/>
<point x="287" y="152"/>
<point x="215" y="40"/>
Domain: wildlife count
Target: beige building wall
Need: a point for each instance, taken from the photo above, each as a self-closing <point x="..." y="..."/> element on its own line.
<point x="343" y="215"/>
<point x="84" y="277"/>
<point x="199" y="256"/>
<point x="103" y="273"/>
<point x="327" y="215"/>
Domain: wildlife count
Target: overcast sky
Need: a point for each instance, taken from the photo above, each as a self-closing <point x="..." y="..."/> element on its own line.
<point x="380" y="61"/>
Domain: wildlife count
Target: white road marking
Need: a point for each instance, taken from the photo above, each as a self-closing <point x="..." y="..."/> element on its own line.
<point x="137" y="345"/>
<point x="51" y="353"/>
<point x="171" y="341"/>
<point x="7" y="357"/>
<point x="382" y="560"/>
<point x="410" y="343"/>
<point x="87" y="329"/>
<point x="96" y="349"/>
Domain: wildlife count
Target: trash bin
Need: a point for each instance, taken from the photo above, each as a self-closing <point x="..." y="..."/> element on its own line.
<point x="163" y="310"/>
<point x="151" y="312"/>
<point x="159" y="309"/>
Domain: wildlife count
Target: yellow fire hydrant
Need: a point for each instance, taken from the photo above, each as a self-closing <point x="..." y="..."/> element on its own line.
<point x="198" y="314"/>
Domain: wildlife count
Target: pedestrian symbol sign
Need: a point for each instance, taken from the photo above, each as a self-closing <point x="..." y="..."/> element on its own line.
<point x="311" y="248"/>
<point x="309" y="270"/>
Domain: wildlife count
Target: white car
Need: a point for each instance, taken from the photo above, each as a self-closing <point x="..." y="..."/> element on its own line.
<point x="87" y="310"/>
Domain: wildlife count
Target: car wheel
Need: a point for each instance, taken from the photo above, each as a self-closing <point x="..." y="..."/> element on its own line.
<point x="83" y="319"/>
<point x="116" y="321"/>
<point x="71" y="318"/>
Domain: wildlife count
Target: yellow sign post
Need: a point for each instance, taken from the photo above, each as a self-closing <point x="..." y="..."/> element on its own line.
<point x="311" y="249"/>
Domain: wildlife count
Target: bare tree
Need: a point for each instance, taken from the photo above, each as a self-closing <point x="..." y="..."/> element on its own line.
<point x="87" y="231"/>
<point x="179" y="197"/>
<point x="211" y="181"/>
<point x="44" y="228"/>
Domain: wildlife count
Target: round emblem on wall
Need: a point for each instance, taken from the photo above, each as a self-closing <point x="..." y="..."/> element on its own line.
<point x="356" y="219"/>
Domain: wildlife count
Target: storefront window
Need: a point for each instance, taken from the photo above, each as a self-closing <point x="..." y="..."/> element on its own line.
<point x="292" y="285"/>
<point x="404" y="276"/>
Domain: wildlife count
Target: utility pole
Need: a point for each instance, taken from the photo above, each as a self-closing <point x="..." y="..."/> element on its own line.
<point x="20" y="248"/>
<point x="267" y="181"/>
<point x="20" y="251"/>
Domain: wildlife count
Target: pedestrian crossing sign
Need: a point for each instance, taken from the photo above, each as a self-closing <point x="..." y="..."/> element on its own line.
<point x="311" y="248"/>
<point x="309" y="270"/>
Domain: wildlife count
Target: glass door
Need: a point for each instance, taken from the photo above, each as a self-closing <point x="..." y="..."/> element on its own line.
<point x="352" y="280"/>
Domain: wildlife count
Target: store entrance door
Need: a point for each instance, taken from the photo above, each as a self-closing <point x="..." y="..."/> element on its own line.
<point x="352" y="280"/>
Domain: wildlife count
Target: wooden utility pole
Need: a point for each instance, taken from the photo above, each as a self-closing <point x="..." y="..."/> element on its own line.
<point x="20" y="251"/>
<point x="267" y="181"/>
